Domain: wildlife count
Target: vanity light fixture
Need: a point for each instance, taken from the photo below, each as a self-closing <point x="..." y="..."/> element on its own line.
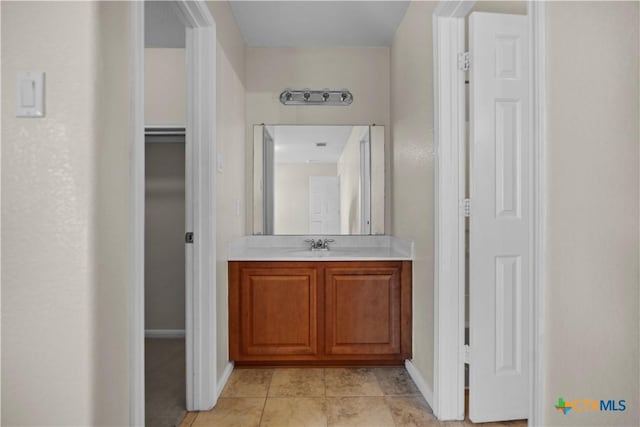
<point x="316" y="97"/>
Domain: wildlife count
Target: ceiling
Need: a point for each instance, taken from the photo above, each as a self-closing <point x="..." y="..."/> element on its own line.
<point x="324" y="23"/>
<point x="297" y="144"/>
<point x="318" y="23"/>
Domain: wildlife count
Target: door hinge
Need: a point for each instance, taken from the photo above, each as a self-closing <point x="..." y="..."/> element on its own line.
<point x="188" y="237"/>
<point x="466" y="207"/>
<point x="464" y="61"/>
<point x="467" y="353"/>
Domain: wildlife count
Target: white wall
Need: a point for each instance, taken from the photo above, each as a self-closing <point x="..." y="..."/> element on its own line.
<point x="256" y="196"/>
<point x="165" y="87"/>
<point x="291" y="195"/>
<point x="364" y="71"/>
<point x="379" y="181"/>
<point x="230" y="186"/>
<point x="518" y="7"/>
<point x="110" y="304"/>
<point x="412" y="205"/>
<point x="592" y="261"/>
<point x="65" y="209"/>
<point x="65" y="216"/>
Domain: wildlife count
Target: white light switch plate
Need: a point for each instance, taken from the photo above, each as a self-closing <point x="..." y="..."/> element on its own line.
<point x="30" y="94"/>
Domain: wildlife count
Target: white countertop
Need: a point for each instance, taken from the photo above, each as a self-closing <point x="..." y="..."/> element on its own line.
<point x="344" y="248"/>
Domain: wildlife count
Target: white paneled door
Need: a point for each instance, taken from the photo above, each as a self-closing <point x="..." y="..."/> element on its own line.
<point x="500" y="223"/>
<point x="324" y="205"/>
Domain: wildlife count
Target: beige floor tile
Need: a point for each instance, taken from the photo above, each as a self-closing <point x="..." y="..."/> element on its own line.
<point x="411" y="411"/>
<point x="351" y="382"/>
<point x="188" y="419"/>
<point x="294" y="412"/>
<point x="232" y="412"/>
<point x="517" y="423"/>
<point x="248" y="383"/>
<point x="395" y="381"/>
<point x="358" y="411"/>
<point x="297" y="383"/>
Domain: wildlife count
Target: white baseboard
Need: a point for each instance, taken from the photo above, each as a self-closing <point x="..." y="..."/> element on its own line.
<point x="223" y="380"/>
<point x="164" y="333"/>
<point x="417" y="378"/>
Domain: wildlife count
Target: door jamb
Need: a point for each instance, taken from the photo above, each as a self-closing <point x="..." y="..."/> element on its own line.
<point x="136" y="221"/>
<point x="201" y="351"/>
<point x="449" y="272"/>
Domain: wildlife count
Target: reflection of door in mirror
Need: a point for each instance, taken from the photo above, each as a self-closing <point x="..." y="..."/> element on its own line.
<point x="324" y="205"/>
<point x="318" y="179"/>
<point x="268" y="151"/>
<point x="365" y="184"/>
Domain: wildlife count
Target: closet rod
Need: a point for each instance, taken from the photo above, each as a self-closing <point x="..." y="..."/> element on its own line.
<point x="164" y="130"/>
<point x="164" y="135"/>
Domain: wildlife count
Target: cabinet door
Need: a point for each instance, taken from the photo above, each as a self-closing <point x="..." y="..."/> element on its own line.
<point x="278" y="311"/>
<point x="363" y="309"/>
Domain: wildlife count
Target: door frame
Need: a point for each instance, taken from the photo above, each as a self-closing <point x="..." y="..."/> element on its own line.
<point x="201" y="351"/>
<point x="365" y="181"/>
<point x="449" y="143"/>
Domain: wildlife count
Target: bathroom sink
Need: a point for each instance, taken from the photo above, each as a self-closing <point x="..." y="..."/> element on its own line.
<point x="345" y="248"/>
<point x="307" y="253"/>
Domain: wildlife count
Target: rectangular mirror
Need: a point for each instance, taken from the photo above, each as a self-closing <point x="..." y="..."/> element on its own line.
<point x="319" y="180"/>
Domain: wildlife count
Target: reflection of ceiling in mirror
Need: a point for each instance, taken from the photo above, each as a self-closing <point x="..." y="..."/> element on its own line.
<point x="298" y="144"/>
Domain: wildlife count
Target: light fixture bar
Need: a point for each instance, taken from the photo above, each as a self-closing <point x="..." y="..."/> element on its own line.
<point x="316" y="97"/>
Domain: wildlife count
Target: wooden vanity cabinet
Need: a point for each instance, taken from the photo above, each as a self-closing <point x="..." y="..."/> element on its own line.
<point x="319" y="312"/>
<point x="274" y="310"/>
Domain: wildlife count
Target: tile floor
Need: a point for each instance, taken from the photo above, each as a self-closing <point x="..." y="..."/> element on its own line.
<point x="326" y="397"/>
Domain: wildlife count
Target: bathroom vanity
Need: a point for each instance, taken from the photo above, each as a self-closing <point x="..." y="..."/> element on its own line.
<point x="348" y="304"/>
<point x="289" y="305"/>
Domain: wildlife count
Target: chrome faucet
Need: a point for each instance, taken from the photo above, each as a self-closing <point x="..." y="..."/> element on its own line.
<point x="319" y="244"/>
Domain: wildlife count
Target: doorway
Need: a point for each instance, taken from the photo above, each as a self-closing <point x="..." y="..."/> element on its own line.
<point x="165" y="363"/>
<point x="165" y="206"/>
<point x="452" y="208"/>
<point x="200" y="287"/>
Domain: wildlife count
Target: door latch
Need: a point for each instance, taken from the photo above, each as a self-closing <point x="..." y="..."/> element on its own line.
<point x="188" y="237"/>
